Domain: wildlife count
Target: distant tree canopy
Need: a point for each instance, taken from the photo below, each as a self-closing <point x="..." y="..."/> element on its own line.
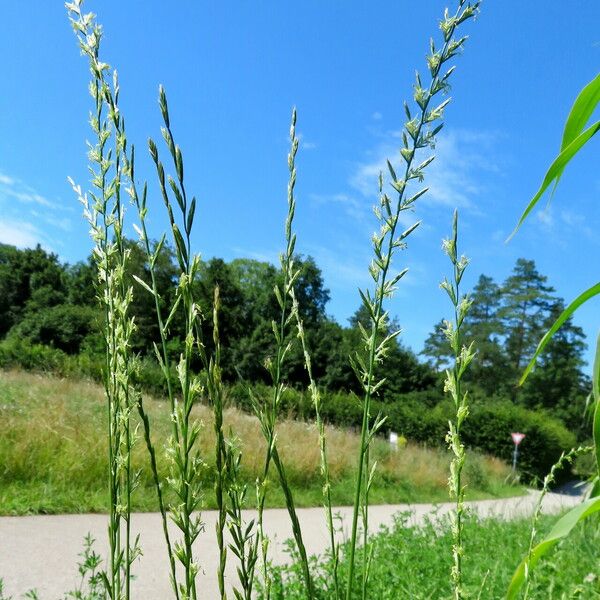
<point x="45" y="302"/>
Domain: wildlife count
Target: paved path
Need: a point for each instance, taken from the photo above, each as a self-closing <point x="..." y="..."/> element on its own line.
<point x="42" y="551"/>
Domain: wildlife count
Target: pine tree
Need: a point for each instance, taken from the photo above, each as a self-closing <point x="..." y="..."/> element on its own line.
<point x="484" y="328"/>
<point x="527" y="302"/>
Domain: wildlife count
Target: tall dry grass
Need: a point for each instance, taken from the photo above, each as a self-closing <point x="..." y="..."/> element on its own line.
<point x="53" y="453"/>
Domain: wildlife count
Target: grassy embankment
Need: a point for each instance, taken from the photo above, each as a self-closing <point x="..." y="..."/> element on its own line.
<point x="53" y="454"/>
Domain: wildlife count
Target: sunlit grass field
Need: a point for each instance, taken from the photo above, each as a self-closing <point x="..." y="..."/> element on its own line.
<point x="53" y="455"/>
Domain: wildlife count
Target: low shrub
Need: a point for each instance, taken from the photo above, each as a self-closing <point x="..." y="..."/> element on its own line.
<point x="488" y="429"/>
<point x="16" y="353"/>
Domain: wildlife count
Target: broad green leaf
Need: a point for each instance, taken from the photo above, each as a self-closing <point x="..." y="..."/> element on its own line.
<point x="596" y="389"/>
<point x="596" y="373"/>
<point x="561" y="529"/>
<point x="593" y="291"/>
<point x="557" y="167"/>
<point x="581" y="111"/>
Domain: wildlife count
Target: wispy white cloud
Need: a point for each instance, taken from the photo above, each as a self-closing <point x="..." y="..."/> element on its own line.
<point x="63" y="223"/>
<point x="545" y="218"/>
<point x="28" y="217"/>
<point x="559" y="223"/>
<point x="20" y="233"/>
<point x="10" y="187"/>
<point x="572" y="219"/>
<point x="304" y="143"/>
<point x="344" y="271"/>
<point x="499" y="236"/>
<point x="352" y="206"/>
<point x="451" y="178"/>
<point x="376" y="116"/>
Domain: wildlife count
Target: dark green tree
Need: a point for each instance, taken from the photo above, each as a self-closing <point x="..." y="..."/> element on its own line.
<point x="505" y="323"/>
<point x="64" y="326"/>
<point x="232" y="318"/>
<point x="527" y="302"/>
<point x="483" y="326"/>
<point x="257" y="281"/>
<point x="30" y="280"/>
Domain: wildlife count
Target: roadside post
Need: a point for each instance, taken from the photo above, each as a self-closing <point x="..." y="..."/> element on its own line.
<point x="517" y="438"/>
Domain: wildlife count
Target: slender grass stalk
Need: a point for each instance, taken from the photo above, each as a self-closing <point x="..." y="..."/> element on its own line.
<point x="419" y="133"/>
<point x="244" y="535"/>
<point x="105" y="215"/>
<point x="564" y="458"/>
<point x="261" y="543"/>
<point x="164" y="361"/>
<point x="84" y="25"/>
<point x="324" y="464"/>
<point x="221" y="463"/>
<point x="367" y="546"/>
<point x="463" y="356"/>
<point x="268" y="414"/>
<point x="186" y="459"/>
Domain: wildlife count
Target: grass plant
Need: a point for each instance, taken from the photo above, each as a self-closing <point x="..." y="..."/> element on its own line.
<point x="575" y="137"/>
<point x="104" y="211"/>
<point x="418" y="134"/>
<point x="268" y="413"/>
<point x="463" y="356"/>
<point x="565" y="458"/>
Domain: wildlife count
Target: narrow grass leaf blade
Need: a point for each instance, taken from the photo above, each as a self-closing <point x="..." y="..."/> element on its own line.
<point x="596" y="389"/>
<point x="561" y="529"/>
<point x="556" y="168"/>
<point x="593" y="291"/>
<point x="143" y="284"/>
<point x="581" y="111"/>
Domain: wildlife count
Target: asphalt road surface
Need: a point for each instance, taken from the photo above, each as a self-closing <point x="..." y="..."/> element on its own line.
<point x="41" y="552"/>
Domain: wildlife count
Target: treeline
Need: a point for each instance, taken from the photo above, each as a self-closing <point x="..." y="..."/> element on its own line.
<point x="43" y="301"/>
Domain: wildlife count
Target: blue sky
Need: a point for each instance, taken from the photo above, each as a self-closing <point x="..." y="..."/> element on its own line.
<point x="233" y="71"/>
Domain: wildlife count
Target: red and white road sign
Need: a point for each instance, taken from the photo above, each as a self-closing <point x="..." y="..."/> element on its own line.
<point x="517" y="438"/>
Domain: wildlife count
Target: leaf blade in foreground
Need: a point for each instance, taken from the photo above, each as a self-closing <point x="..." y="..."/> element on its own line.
<point x="556" y="169"/>
<point x="561" y="529"/>
<point x="596" y="390"/>
<point x="564" y="315"/>
<point x="584" y="106"/>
